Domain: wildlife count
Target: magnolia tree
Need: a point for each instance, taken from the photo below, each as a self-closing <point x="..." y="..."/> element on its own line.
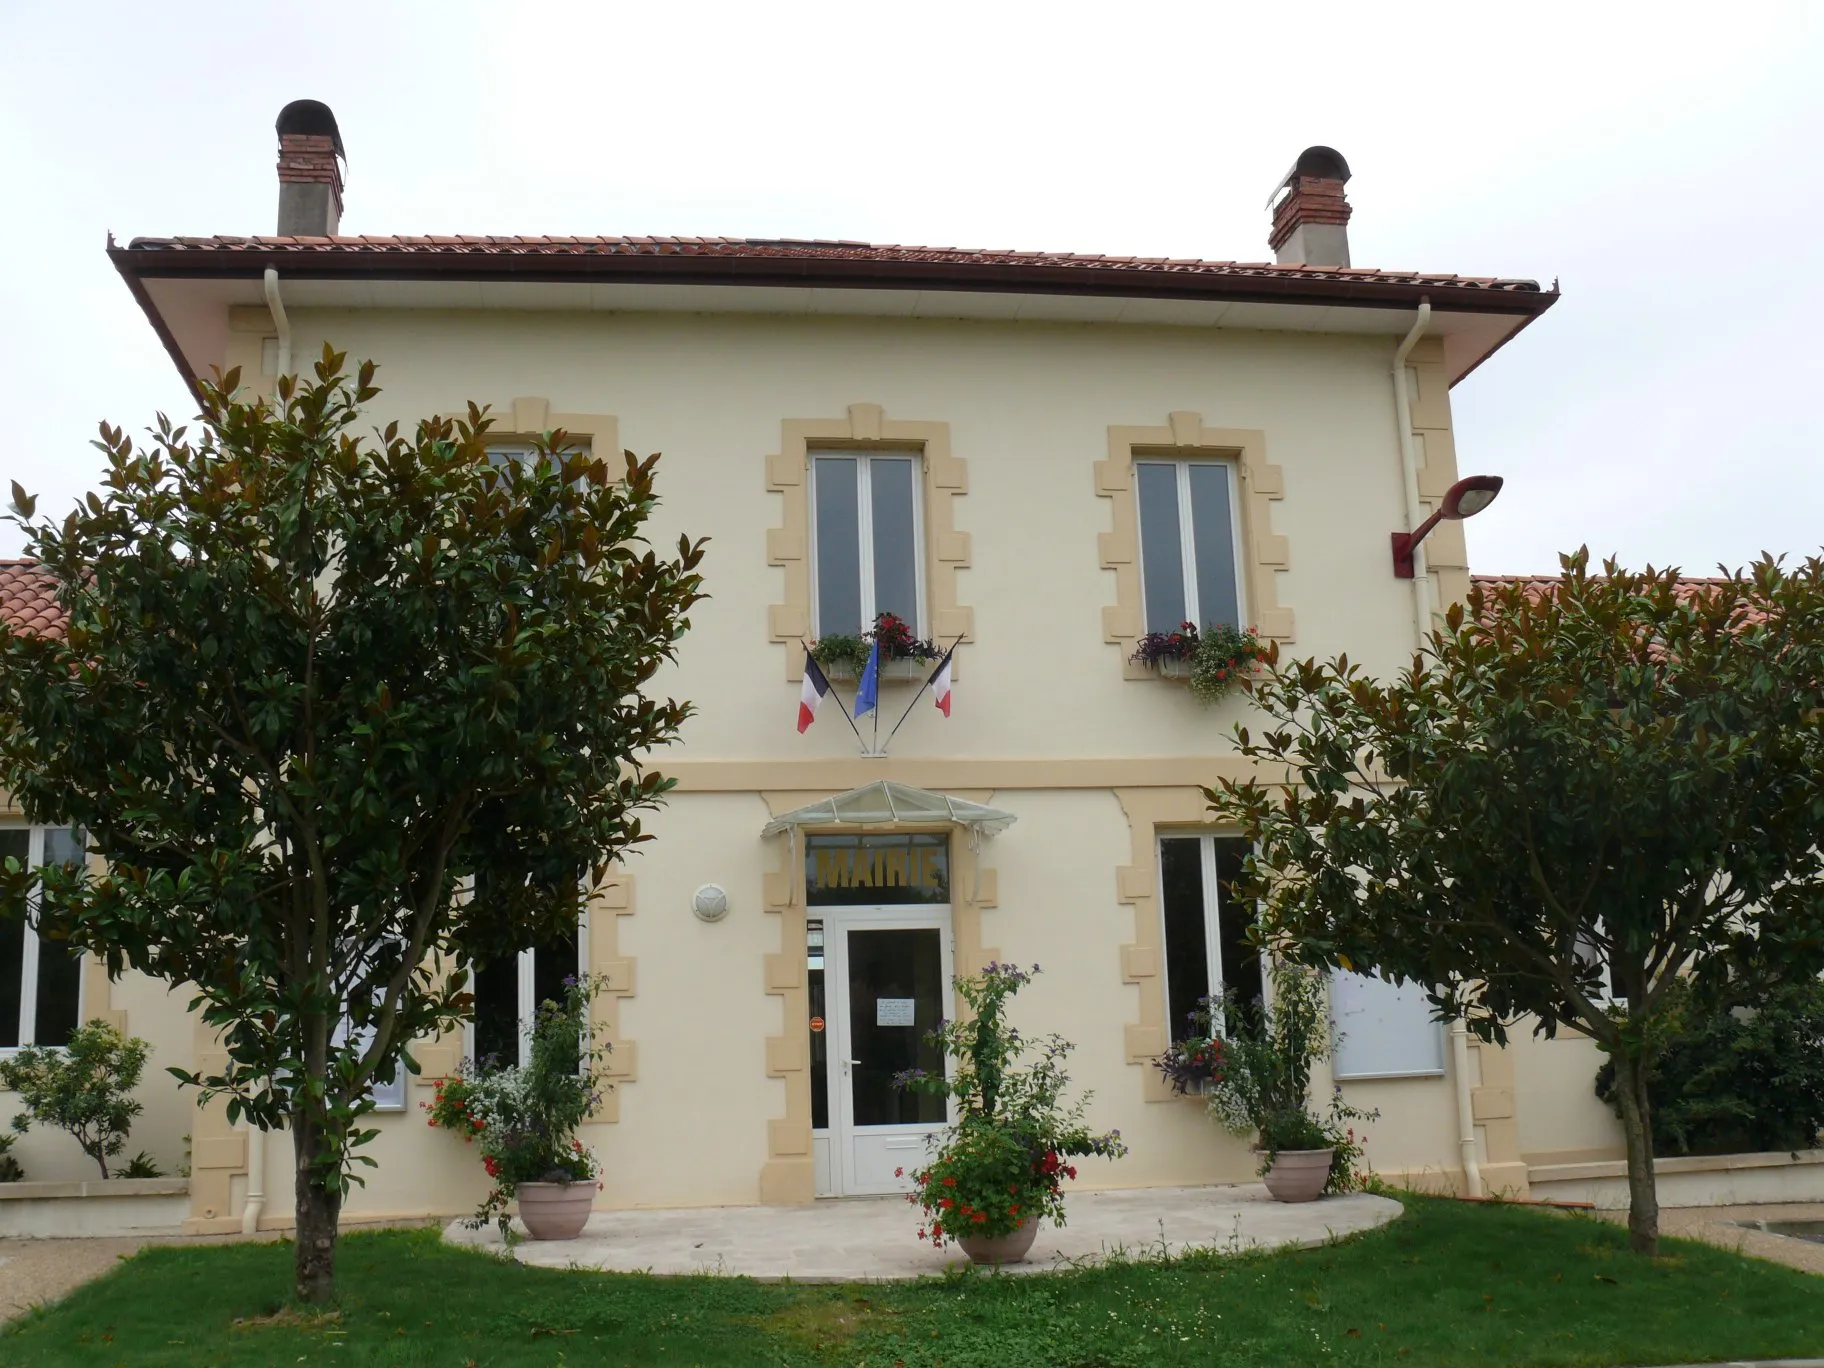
<point x="1581" y="792"/>
<point x="343" y="716"/>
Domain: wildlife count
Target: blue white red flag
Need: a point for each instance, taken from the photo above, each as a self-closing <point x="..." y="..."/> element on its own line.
<point x="816" y="685"/>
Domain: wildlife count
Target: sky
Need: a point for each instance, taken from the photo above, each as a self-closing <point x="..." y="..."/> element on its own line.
<point x="1663" y="162"/>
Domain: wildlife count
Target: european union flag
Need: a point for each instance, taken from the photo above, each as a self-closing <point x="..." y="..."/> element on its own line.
<point x="868" y="693"/>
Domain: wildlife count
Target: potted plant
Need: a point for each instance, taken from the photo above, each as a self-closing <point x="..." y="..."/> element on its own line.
<point x="902" y="655"/>
<point x="1262" y="1086"/>
<point x="999" y="1168"/>
<point x="1212" y="661"/>
<point x="524" y="1120"/>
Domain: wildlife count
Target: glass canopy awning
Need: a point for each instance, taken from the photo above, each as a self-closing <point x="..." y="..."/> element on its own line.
<point x="887" y="802"/>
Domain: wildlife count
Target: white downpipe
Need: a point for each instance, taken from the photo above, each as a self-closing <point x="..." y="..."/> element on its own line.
<point x="1466" y="1119"/>
<point x="255" y="1205"/>
<point x="282" y="323"/>
<point x="1409" y="464"/>
<point x="1421" y="621"/>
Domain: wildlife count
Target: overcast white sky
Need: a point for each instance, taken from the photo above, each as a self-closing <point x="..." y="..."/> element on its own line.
<point x="1663" y="160"/>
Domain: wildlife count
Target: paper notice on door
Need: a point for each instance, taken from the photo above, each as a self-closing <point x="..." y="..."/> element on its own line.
<point x="894" y="1011"/>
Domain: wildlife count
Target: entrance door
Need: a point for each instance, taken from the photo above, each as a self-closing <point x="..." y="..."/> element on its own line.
<point x="887" y="985"/>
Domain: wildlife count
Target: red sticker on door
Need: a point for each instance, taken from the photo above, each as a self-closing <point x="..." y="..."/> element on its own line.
<point x="816" y="1023"/>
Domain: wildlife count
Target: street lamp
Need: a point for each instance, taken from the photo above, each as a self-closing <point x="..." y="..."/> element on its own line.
<point x="1464" y="499"/>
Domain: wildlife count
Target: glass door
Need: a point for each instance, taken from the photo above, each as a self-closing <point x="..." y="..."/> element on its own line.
<point x="887" y="981"/>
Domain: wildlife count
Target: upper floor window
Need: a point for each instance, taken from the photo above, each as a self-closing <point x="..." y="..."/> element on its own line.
<point x="40" y="979"/>
<point x="1206" y="926"/>
<point x="867" y="533"/>
<point x="1190" y="570"/>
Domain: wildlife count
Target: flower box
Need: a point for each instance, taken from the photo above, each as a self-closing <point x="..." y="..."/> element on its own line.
<point x="891" y="672"/>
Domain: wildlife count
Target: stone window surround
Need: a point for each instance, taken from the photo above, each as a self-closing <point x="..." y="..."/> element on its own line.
<point x="788" y="1175"/>
<point x="1264" y="552"/>
<point x="946" y="550"/>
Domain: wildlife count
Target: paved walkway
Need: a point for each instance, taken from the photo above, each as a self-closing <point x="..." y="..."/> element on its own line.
<point x="872" y="1239"/>
<point x="1733" y="1227"/>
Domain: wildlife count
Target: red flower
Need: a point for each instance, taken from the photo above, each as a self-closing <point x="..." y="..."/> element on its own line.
<point x="980" y="1219"/>
<point x="1014" y="1209"/>
<point x="899" y="1173"/>
<point x="949" y="1182"/>
<point x="946" y="1204"/>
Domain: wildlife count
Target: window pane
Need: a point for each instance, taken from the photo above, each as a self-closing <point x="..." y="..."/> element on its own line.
<point x="895" y="550"/>
<point x="1161" y="558"/>
<point x="16" y="842"/>
<point x="868" y="871"/>
<point x="838" y="546"/>
<point x="497" y="1012"/>
<point x="59" y="982"/>
<point x="1213" y="539"/>
<point x="551" y="965"/>
<point x="820" y="1036"/>
<point x="1240" y="960"/>
<point x="62" y="845"/>
<point x="892" y="975"/>
<point x="1187" y="960"/>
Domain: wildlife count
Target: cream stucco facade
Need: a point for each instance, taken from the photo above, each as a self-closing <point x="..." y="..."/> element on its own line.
<point x="1027" y="417"/>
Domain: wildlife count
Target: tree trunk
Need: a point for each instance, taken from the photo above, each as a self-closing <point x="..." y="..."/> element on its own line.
<point x="1637" y="1127"/>
<point x="319" y="1209"/>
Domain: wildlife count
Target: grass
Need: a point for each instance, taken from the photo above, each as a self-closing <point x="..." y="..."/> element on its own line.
<point x="1449" y="1284"/>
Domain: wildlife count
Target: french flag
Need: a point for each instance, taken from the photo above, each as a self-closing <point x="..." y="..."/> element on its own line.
<point x="816" y="685"/>
<point x="940" y="683"/>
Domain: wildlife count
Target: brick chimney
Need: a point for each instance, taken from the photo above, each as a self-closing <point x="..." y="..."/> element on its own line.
<point x="310" y="170"/>
<point x="1310" y="212"/>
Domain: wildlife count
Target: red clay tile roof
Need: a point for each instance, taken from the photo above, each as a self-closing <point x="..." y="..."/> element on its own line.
<point x="794" y="262"/>
<point x="28" y="599"/>
<point x="787" y="249"/>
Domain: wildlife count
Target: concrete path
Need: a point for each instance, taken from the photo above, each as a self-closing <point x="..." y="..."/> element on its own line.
<point x="1736" y="1228"/>
<point x="872" y="1239"/>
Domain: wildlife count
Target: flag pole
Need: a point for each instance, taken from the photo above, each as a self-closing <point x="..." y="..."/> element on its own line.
<point x="838" y="697"/>
<point x="921" y="689"/>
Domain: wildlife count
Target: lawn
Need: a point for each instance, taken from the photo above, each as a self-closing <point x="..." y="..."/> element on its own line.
<point x="1449" y="1283"/>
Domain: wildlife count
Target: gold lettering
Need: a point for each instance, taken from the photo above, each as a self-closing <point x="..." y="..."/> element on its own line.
<point x="896" y="868"/>
<point x="864" y="869"/>
<point x="829" y="871"/>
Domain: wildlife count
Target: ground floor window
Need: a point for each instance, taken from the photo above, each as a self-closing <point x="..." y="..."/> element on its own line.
<point x="40" y="978"/>
<point x="508" y="991"/>
<point x="1206" y="926"/>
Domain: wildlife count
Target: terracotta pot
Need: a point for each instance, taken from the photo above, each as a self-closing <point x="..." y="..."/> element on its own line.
<point x="1000" y="1249"/>
<point x="1298" y="1175"/>
<point x="555" y="1211"/>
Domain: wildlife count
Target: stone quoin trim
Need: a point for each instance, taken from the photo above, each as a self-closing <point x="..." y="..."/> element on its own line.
<point x="1446" y="553"/>
<point x="789" y="1173"/>
<point x="1264" y="553"/>
<point x="788" y="545"/>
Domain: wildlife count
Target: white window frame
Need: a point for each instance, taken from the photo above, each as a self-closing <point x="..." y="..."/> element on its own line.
<point x="1212" y="917"/>
<point x="864" y="491"/>
<point x="527" y="982"/>
<point x="1187" y="537"/>
<point x="28" y="960"/>
<point x="388" y="1097"/>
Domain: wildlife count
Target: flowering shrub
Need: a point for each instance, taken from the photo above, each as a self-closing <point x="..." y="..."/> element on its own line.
<point x="1220" y="657"/>
<point x="1003" y="1163"/>
<point x="1266" y="1075"/>
<point x="524" y="1121"/>
<point x="838" y="651"/>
